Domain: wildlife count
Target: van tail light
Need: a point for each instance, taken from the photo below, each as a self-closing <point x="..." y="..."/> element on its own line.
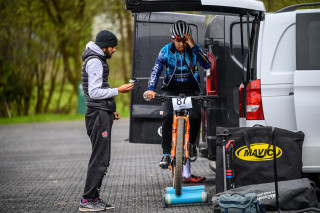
<point x="254" y="101"/>
<point x="211" y="76"/>
<point x="241" y="87"/>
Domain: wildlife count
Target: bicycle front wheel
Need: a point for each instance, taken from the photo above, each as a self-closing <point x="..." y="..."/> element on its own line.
<point x="177" y="179"/>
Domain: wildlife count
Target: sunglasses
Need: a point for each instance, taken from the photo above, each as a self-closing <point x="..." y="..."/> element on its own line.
<point x="179" y="38"/>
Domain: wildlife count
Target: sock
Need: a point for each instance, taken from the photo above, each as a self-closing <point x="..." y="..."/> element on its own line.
<point x="95" y="199"/>
<point x="84" y="200"/>
<point x="186" y="169"/>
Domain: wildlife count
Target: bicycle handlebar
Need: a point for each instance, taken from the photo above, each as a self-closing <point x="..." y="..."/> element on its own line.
<point x="163" y="98"/>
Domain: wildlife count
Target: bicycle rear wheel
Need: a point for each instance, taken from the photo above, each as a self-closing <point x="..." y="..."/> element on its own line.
<point x="177" y="178"/>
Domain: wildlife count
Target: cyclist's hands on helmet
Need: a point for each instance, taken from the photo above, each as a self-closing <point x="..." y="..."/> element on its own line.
<point x="150" y="94"/>
<point x="190" y="40"/>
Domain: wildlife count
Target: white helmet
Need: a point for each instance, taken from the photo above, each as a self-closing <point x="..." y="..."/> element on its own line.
<point x="179" y="28"/>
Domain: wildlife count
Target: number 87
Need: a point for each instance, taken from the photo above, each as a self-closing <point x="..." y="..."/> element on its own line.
<point x="179" y="101"/>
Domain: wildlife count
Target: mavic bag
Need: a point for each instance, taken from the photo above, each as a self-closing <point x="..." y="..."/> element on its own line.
<point x="252" y="159"/>
<point x="293" y="194"/>
<point x="239" y="203"/>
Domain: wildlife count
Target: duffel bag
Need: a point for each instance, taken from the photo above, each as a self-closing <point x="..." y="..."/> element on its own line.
<point x="252" y="160"/>
<point x="293" y="194"/>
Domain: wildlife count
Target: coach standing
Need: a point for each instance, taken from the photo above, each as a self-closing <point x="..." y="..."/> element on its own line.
<point x="101" y="111"/>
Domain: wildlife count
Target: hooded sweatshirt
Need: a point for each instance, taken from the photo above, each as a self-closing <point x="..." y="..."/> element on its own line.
<point x="94" y="77"/>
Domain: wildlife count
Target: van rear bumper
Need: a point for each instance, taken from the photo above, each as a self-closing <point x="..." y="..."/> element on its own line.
<point x="310" y="156"/>
<point x="311" y="169"/>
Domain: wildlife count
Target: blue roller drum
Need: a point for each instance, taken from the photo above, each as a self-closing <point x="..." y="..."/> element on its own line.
<point x="196" y="197"/>
<point x="187" y="189"/>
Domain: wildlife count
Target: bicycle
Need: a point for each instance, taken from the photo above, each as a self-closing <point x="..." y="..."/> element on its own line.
<point x="180" y="134"/>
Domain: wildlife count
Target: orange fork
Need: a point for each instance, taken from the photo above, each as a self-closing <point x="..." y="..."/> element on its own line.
<point x="174" y="136"/>
<point x="186" y="137"/>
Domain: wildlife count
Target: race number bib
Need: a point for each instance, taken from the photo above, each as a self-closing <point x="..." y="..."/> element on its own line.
<point x="181" y="103"/>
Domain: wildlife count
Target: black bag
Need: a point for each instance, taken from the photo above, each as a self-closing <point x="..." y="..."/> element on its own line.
<point x="252" y="158"/>
<point x="293" y="194"/>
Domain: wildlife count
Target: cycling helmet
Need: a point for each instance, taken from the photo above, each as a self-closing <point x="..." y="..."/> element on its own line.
<point x="179" y="28"/>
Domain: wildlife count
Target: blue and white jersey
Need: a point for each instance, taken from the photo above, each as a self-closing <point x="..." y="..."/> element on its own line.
<point x="177" y="66"/>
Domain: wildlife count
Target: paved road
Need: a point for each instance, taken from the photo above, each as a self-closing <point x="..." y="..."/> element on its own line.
<point x="43" y="168"/>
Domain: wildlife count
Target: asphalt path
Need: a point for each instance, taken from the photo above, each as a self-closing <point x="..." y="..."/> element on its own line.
<point x="43" y="168"/>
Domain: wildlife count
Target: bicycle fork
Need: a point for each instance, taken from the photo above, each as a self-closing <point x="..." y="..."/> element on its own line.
<point x="186" y="136"/>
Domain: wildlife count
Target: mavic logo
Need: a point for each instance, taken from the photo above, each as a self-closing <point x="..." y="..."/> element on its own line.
<point x="258" y="152"/>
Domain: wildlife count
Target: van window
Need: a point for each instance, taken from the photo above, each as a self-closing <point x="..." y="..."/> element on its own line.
<point x="236" y="43"/>
<point x="308" y="42"/>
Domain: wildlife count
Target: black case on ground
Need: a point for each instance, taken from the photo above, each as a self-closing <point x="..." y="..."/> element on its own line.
<point x="253" y="161"/>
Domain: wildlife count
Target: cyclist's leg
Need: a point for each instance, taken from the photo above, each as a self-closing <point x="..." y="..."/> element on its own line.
<point x="188" y="177"/>
<point x="166" y="132"/>
<point x="186" y="169"/>
<point x="195" y="121"/>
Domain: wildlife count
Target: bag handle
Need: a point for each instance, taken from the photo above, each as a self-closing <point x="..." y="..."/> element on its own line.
<point x="246" y="140"/>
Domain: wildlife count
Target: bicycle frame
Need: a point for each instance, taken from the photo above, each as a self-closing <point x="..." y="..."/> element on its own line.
<point x="180" y="140"/>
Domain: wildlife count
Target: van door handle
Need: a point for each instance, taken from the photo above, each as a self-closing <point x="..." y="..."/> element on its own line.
<point x="291" y="93"/>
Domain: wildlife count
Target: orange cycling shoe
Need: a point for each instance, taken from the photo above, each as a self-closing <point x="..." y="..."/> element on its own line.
<point x="193" y="179"/>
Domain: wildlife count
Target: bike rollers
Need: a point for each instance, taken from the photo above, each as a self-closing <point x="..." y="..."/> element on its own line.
<point x="190" y="194"/>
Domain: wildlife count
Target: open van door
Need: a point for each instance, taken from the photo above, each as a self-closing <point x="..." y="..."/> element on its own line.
<point x="216" y="6"/>
<point x="307" y="86"/>
<point x="151" y="33"/>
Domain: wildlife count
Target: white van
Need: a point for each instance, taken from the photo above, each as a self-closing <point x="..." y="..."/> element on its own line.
<point x="288" y="72"/>
<point x="271" y="77"/>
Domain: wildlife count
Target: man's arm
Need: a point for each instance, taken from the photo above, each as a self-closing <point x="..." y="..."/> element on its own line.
<point x="94" y="69"/>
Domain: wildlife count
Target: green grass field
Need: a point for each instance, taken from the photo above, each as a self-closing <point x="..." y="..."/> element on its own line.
<point x="68" y="100"/>
<point x="40" y="118"/>
<point x="49" y="118"/>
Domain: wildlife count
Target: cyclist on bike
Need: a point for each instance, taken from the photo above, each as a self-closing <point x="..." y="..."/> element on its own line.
<point x="181" y="77"/>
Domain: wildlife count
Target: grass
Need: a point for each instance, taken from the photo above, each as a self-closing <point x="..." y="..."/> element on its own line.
<point x="49" y="118"/>
<point x="40" y="118"/>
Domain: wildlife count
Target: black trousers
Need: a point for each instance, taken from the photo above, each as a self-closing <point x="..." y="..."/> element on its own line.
<point x="195" y="121"/>
<point x="98" y="124"/>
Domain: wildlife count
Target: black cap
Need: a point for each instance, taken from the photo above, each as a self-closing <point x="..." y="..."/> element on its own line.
<point x="105" y="39"/>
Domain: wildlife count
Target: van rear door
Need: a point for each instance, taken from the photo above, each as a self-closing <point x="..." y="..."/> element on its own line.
<point x="220" y="6"/>
<point x="276" y="65"/>
<point x="151" y="33"/>
<point x="307" y="86"/>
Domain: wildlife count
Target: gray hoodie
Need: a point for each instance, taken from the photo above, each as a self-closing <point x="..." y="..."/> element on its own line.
<point x="94" y="70"/>
<point x="94" y="77"/>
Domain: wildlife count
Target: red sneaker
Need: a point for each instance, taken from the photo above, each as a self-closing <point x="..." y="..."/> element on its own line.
<point x="193" y="179"/>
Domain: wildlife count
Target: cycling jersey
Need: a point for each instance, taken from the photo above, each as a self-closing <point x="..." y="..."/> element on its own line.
<point x="177" y="66"/>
